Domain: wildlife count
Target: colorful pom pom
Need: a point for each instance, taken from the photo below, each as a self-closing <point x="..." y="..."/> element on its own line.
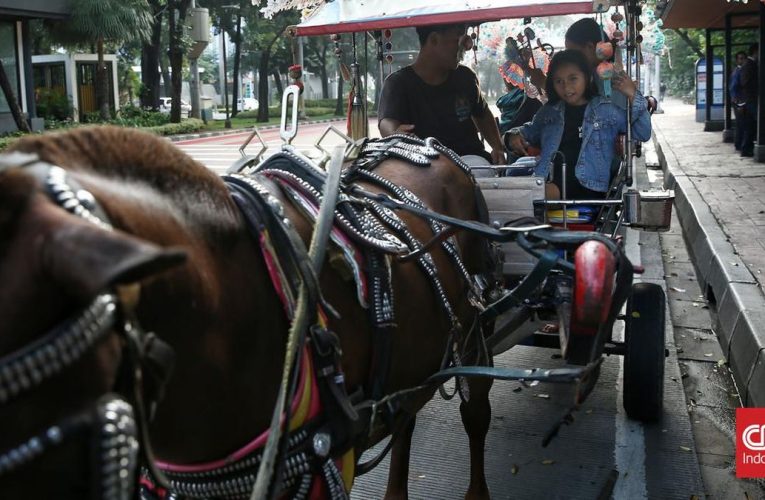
<point x="604" y="51"/>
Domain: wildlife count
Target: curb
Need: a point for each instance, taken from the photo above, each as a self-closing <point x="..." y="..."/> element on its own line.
<point x="725" y="280"/>
<point x="185" y="137"/>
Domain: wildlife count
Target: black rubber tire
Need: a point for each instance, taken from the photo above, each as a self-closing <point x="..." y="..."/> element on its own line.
<point x="644" y="356"/>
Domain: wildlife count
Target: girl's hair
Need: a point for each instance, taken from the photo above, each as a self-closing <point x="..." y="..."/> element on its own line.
<point x="580" y="61"/>
<point x="585" y="31"/>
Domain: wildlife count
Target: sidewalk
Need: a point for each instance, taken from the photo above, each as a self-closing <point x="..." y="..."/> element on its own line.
<point x="719" y="201"/>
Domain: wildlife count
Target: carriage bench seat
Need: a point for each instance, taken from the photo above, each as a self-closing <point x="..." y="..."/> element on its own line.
<point x="509" y="198"/>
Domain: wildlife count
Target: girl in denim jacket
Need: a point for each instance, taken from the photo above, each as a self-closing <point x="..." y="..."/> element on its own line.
<point x="579" y="126"/>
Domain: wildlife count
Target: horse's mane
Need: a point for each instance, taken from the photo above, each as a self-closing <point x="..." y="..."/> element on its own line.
<point x="129" y="158"/>
<point x="124" y="153"/>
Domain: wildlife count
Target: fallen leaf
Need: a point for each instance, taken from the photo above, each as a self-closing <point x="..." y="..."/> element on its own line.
<point x="676" y="289"/>
<point x="547" y="461"/>
<point x="588" y="412"/>
<point x="533" y="383"/>
<point x="708" y="354"/>
<point x="514" y="469"/>
<point x="421" y="476"/>
<point x="635" y="314"/>
<point x="543" y="396"/>
<point x="518" y="389"/>
<point x="685" y="448"/>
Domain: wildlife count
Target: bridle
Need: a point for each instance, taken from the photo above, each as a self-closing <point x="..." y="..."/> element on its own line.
<point x="113" y="426"/>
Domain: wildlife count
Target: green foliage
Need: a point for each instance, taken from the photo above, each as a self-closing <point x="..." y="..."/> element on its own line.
<point x="53" y="104"/>
<point x="133" y="116"/>
<point x="321" y="103"/>
<point x="111" y="20"/>
<point x="185" y="127"/>
<point x="6" y="140"/>
<point x="320" y="111"/>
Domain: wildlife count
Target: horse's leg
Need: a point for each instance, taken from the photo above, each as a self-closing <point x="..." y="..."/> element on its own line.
<point x="476" y="417"/>
<point x="398" y="473"/>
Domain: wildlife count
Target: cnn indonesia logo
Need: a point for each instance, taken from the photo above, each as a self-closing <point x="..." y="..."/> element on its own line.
<point x="750" y="442"/>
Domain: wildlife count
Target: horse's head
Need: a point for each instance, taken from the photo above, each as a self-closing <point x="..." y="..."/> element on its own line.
<point x="68" y="280"/>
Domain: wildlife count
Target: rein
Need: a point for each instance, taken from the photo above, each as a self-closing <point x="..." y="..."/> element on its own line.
<point x="119" y="432"/>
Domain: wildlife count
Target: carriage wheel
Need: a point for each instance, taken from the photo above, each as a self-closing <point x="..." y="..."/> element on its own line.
<point x="644" y="357"/>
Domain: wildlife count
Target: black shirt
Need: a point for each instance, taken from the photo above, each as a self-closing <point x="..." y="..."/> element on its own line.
<point x="441" y="111"/>
<point x="570" y="146"/>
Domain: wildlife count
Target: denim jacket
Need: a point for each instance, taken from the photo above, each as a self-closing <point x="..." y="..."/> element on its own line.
<point x="603" y="121"/>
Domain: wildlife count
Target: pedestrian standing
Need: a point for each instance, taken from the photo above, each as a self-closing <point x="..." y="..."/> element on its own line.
<point x="734" y="89"/>
<point x="749" y="96"/>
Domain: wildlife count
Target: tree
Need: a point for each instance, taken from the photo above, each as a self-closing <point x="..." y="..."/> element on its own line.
<point x="315" y="59"/>
<point x="102" y="22"/>
<point x="10" y="98"/>
<point x="150" y="57"/>
<point x="177" y="48"/>
<point x="266" y="36"/>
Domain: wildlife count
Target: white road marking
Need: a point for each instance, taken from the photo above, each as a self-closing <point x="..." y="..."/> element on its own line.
<point x="629" y="442"/>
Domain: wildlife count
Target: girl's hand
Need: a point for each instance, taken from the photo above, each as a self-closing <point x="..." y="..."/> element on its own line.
<point x="517" y="144"/>
<point x="624" y="84"/>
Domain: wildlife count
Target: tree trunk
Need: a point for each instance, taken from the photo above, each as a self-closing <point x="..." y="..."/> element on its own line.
<point x="237" y="63"/>
<point x="263" y="86"/>
<point x="339" y="107"/>
<point x="265" y="57"/>
<point x="166" y="80"/>
<point x="13" y="104"/>
<point x="176" y="56"/>
<point x="150" y="60"/>
<point x="102" y="83"/>
<point x="323" y="73"/>
<point x="278" y="81"/>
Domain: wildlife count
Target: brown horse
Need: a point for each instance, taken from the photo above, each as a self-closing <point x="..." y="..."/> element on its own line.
<point x="218" y="310"/>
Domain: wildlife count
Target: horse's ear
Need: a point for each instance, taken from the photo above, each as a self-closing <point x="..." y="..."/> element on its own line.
<point x="87" y="260"/>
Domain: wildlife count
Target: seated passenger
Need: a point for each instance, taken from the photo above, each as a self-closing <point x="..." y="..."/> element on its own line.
<point x="516" y="107"/>
<point x="580" y="126"/>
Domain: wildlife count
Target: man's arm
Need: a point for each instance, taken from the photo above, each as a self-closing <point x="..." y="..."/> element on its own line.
<point x="390" y="126"/>
<point x="487" y="125"/>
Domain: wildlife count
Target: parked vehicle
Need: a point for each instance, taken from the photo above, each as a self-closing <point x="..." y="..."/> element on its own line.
<point x="166" y="102"/>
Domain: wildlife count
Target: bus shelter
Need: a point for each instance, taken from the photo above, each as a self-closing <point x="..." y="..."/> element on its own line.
<point x="726" y="16"/>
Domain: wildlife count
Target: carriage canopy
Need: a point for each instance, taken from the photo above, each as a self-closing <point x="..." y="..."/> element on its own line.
<point x="344" y="16"/>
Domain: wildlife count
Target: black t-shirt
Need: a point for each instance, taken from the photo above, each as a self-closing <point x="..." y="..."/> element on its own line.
<point x="441" y="111"/>
<point x="570" y="146"/>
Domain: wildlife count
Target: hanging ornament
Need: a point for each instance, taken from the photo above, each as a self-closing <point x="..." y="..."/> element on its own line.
<point x="616" y="17"/>
<point x="605" y="71"/>
<point x="474" y="43"/>
<point x="604" y="51"/>
<point x="388" y="47"/>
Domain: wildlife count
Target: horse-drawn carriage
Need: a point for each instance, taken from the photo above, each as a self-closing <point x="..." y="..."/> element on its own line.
<point x="313" y="302"/>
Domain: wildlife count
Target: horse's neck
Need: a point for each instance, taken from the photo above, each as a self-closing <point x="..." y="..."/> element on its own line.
<point x="221" y="315"/>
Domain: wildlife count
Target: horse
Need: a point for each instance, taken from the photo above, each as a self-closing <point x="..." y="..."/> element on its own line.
<point x="205" y="290"/>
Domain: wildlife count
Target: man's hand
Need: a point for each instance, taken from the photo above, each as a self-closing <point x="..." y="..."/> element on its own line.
<point x="517" y="144"/>
<point x="538" y="78"/>
<point x="624" y="84"/>
<point x="405" y="128"/>
<point x="498" y="156"/>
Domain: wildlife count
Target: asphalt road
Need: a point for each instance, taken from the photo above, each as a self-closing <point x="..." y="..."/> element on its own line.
<point x="602" y="454"/>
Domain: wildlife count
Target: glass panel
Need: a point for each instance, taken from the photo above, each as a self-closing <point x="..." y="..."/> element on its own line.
<point x="8" y="57"/>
